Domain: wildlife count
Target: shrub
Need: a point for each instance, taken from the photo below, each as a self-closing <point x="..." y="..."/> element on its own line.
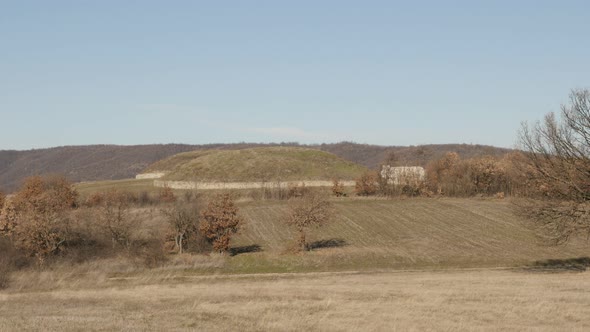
<point x="36" y="219"/>
<point x="338" y="188"/>
<point x="484" y="175"/>
<point x="220" y="220"/>
<point x="166" y="195"/>
<point x="367" y="184"/>
<point x="95" y="199"/>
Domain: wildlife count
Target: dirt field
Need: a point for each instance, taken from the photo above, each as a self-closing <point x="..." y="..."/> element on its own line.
<point x="387" y="301"/>
<point x="411" y="233"/>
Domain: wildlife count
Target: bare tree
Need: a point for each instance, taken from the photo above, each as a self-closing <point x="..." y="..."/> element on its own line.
<point x="184" y="221"/>
<point x="307" y="211"/>
<point x="116" y="218"/>
<point x="558" y="150"/>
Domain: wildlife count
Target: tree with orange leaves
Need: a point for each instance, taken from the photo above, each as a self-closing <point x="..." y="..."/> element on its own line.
<point x="220" y="221"/>
<point x="36" y="219"/>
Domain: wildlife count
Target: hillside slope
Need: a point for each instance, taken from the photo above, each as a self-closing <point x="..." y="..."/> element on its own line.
<point x="410" y="233"/>
<point x="257" y="164"/>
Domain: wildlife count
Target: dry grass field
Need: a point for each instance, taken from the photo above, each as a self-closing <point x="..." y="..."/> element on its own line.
<point x="385" y="301"/>
<point x="402" y="264"/>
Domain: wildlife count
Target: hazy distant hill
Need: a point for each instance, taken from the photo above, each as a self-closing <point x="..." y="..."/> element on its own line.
<point x="373" y="155"/>
<point x="111" y="162"/>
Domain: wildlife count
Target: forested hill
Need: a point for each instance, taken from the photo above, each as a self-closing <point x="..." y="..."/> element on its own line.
<point x="111" y="162"/>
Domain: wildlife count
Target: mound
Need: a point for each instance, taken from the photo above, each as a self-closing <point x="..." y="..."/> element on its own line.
<point x="256" y="164"/>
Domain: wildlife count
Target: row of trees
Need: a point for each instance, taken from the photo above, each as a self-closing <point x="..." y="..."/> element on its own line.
<point x="451" y="175"/>
<point x="220" y="220"/>
<point x="44" y="219"/>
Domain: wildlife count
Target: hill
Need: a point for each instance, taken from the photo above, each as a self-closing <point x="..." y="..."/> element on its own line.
<point x="115" y="162"/>
<point x="257" y="164"/>
<point x="412" y="233"/>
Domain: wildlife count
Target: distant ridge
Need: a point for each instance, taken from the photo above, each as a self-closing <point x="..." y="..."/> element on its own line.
<point x="113" y="162"/>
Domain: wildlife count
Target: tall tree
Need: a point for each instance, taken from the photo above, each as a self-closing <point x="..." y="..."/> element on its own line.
<point x="558" y="149"/>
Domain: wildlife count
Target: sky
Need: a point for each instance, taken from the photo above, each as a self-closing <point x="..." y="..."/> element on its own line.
<point x="377" y="72"/>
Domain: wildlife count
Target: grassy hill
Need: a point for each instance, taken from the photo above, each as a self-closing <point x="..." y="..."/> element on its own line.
<point x="257" y="164"/>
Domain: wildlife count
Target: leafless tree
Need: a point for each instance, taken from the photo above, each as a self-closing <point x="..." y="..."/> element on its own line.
<point x="558" y="150"/>
<point x="184" y="221"/>
<point x="307" y="211"/>
<point x="116" y="218"/>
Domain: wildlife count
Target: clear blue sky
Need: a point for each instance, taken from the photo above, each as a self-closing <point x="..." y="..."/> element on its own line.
<point x="380" y="72"/>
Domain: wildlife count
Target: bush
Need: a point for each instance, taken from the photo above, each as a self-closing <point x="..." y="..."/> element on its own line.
<point x="166" y="195"/>
<point x="37" y="218"/>
<point x="367" y="184"/>
<point x="484" y="175"/>
<point x="338" y="188"/>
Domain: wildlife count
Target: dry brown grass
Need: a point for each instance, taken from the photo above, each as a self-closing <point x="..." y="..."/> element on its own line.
<point x="198" y="292"/>
<point x="447" y="301"/>
<point x="410" y="233"/>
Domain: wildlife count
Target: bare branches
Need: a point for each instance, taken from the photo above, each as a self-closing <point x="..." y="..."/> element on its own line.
<point x="184" y="221"/>
<point x="310" y="210"/>
<point x="558" y="149"/>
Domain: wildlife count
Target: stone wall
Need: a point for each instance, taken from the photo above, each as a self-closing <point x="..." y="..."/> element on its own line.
<point x="190" y="185"/>
<point x="143" y="176"/>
